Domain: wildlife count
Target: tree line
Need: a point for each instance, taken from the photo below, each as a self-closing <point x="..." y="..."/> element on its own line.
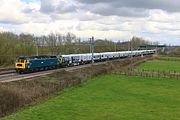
<point x="12" y="45"/>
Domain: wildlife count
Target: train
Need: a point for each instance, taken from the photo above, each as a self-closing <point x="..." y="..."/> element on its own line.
<point x="38" y="63"/>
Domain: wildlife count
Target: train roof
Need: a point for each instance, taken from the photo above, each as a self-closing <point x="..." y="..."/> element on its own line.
<point x="121" y="52"/>
<point x="37" y="57"/>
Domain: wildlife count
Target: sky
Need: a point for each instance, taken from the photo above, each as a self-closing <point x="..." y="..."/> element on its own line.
<point x="153" y="20"/>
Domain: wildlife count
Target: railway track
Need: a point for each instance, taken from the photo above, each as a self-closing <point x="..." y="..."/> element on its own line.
<point x="7" y="72"/>
<point x="10" y="76"/>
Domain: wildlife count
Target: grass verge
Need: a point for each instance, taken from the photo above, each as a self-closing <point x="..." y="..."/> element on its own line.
<point x="111" y="97"/>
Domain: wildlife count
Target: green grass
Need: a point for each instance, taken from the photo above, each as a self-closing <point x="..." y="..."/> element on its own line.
<point x="111" y="97"/>
<point x="161" y="65"/>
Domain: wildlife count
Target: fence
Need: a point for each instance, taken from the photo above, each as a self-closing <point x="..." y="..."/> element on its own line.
<point x="150" y="73"/>
<point x="170" y="59"/>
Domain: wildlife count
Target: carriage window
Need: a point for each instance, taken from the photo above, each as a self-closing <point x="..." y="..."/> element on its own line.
<point x="65" y="59"/>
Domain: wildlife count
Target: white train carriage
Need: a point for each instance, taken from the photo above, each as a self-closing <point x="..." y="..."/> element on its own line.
<point x="76" y="59"/>
<point x="97" y="57"/>
<point x="65" y="60"/>
<point x="86" y="58"/>
<point x="110" y="55"/>
<point x="115" y="55"/>
<point x="136" y="53"/>
<point x="104" y="56"/>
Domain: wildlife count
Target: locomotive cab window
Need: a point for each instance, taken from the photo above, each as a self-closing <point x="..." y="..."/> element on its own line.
<point x="21" y="60"/>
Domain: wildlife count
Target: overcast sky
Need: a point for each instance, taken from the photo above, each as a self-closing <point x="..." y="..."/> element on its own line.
<point x="154" y="20"/>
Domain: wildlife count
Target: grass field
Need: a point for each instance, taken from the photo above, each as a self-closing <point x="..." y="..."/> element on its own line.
<point x="161" y="65"/>
<point x="111" y="97"/>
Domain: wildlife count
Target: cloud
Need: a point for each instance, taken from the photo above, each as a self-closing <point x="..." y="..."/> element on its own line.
<point x="47" y="6"/>
<point x="108" y="10"/>
<point x="112" y="19"/>
<point x="129" y="8"/>
<point x="30" y="7"/>
<point x="17" y="12"/>
<point x="2" y="29"/>
<point x="163" y="16"/>
<point x="11" y="12"/>
<point x="167" y="5"/>
<point x="57" y="6"/>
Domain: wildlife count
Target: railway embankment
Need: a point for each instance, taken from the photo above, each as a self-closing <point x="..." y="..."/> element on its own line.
<point x="18" y="94"/>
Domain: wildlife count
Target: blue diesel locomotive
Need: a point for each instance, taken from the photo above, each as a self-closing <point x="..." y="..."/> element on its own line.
<point x="36" y="63"/>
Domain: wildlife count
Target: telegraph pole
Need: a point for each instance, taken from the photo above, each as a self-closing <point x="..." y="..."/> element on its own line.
<point x="115" y="46"/>
<point x="92" y="52"/>
<point x="37" y="47"/>
<point x="92" y="48"/>
<point x="131" y="54"/>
